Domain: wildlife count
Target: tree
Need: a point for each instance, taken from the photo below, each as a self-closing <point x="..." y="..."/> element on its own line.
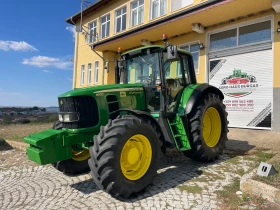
<point x="35" y="108"/>
<point x="43" y="109"/>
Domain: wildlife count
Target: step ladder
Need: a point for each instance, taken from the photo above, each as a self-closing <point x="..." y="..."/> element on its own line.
<point x="179" y="133"/>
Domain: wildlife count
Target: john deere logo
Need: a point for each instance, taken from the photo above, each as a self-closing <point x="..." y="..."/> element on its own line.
<point x="239" y="84"/>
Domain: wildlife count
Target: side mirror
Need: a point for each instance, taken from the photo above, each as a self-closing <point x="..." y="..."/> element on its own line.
<point x="172" y="53"/>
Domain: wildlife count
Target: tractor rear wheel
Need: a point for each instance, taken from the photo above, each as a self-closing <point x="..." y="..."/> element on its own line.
<point x="78" y="164"/>
<point x="125" y="156"/>
<point x="208" y="127"/>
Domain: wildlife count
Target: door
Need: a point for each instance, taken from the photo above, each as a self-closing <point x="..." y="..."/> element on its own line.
<point x="246" y="82"/>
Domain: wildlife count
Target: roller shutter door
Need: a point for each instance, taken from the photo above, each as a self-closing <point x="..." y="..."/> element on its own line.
<point x="245" y="78"/>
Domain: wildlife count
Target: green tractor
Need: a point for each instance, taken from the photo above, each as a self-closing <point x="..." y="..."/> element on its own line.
<point x="120" y="132"/>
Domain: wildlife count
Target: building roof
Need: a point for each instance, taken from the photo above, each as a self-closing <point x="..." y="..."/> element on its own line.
<point x="98" y="3"/>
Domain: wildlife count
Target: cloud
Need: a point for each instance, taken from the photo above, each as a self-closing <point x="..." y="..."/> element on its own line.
<point x="16" y="46"/>
<point x="69" y="79"/>
<point x="44" y="61"/>
<point x="47" y="71"/>
<point x="72" y="30"/>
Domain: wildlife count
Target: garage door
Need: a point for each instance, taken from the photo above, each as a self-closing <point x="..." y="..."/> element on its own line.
<point x="244" y="75"/>
<point x="246" y="81"/>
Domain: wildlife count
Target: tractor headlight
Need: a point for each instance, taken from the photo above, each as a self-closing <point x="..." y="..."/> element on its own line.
<point x="68" y="117"/>
<point x="60" y="117"/>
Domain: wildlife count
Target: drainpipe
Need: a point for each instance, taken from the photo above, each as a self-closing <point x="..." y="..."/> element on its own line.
<point x="75" y="58"/>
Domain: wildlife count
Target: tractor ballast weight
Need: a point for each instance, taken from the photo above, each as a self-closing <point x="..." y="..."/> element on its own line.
<point x="119" y="132"/>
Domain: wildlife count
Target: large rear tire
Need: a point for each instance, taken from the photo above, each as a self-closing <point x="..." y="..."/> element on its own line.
<point x="208" y="128"/>
<point x="78" y="164"/>
<point x="125" y="156"/>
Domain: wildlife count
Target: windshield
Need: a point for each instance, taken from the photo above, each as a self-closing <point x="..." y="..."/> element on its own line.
<point x="142" y="69"/>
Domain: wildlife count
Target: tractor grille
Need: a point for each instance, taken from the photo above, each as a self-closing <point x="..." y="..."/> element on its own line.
<point x="86" y="106"/>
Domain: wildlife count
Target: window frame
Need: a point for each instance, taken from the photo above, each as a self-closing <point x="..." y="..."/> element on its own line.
<point x="96" y="72"/>
<point x="89" y="74"/>
<point x="120" y="16"/>
<point x="176" y="10"/>
<point x="137" y="9"/>
<point x="189" y="45"/>
<point x="89" y="29"/>
<point x="237" y="26"/>
<point x="82" y="75"/>
<point x="106" y="22"/>
<point x="159" y="9"/>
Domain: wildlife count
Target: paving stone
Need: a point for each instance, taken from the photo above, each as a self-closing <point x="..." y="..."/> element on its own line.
<point x="25" y="185"/>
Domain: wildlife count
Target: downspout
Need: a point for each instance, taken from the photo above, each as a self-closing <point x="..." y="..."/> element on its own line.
<point x="75" y="58"/>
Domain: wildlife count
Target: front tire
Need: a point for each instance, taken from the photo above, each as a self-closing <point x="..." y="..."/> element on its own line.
<point x="78" y="164"/>
<point x="208" y="127"/>
<point x="125" y="156"/>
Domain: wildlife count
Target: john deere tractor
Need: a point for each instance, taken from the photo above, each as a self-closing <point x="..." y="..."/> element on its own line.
<point x="119" y="132"/>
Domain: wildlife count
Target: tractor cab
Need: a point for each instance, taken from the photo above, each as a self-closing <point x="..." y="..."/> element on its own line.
<point x="163" y="71"/>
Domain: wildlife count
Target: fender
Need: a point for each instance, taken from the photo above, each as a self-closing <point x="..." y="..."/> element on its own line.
<point x="200" y="90"/>
<point x="191" y="95"/>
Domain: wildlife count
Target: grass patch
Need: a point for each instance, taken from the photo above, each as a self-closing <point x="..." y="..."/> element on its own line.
<point x="264" y="156"/>
<point x="17" y="132"/>
<point x="228" y="194"/>
<point x="190" y="189"/>
<point x="234" y="160"/>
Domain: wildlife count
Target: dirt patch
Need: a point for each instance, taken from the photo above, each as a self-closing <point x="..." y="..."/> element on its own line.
<point x="18" y="131"/>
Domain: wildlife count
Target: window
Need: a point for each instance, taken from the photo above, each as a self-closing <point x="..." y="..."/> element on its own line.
<point x="105" y="26"/>
<point x="250" y="34"/>
<point x="223" y="40"/>
<point x="194" y="50"/>
<point x="178" y="4"/>
<point x="96" y="69"/>
<point x="82" y="74"/>
<point x="92" y="31"/>
<point x="89" y="74"/>
<point x="137" y="12"/>
<point x="120" y="23"/>
<point x="185" y="62"/>
<point x="143" y="69"/>
<point x="255" y="33"/>
<point x="158" y="8"/>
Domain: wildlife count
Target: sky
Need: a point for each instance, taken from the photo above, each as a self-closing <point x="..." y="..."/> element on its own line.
<point x="36" y="49"/>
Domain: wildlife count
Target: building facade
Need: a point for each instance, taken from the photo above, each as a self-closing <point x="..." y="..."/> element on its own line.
<point x="234" y="43"/>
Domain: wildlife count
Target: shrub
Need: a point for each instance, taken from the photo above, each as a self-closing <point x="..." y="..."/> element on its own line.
<point x="23" y="121"/>
<point x="7" y="119"/>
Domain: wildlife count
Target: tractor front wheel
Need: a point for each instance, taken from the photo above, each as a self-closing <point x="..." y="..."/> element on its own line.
<point x="78" y="164"/>
<point x="207" y="129"/>
<point x="125" y="156"/>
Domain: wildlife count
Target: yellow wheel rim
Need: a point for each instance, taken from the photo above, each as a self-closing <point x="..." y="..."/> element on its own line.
<point x="80" y="155"/>
<point x="136" y="157"/>
<point x="212" y="127"/>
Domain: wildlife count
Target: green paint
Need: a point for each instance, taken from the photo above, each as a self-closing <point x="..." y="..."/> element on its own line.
<point x="155" y="115"/>
<point x="186" y="94"/>
<point x="179" y="133"/>
<point x="47" y="147"/>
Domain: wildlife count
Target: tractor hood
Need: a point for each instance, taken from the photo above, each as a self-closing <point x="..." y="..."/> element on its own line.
<point x="90" y="90"/>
